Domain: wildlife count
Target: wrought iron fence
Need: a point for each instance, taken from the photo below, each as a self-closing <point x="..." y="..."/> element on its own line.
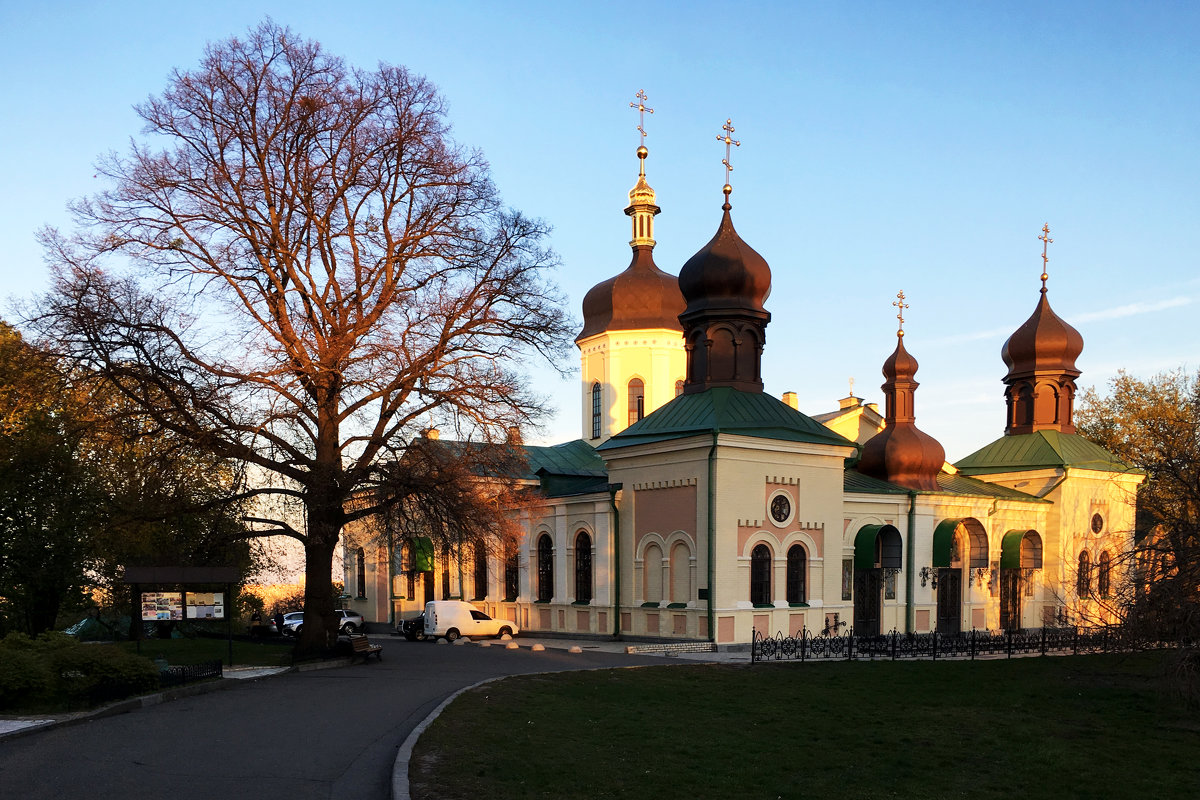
<point x="189" y="673"/>
<point x="893" y="646"/>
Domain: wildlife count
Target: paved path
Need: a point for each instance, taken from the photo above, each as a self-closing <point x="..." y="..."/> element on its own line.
<point x="329" y="733"/>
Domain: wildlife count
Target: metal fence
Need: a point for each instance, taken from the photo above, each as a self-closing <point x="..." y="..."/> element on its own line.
<point x="189" y="673"/>
<point x="894" y="646"/>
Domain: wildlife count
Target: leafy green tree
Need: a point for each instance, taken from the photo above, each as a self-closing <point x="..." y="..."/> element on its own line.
<point x="309" y="271"/>
<point x="86" y="489"/>
<point x="49" y="509"/>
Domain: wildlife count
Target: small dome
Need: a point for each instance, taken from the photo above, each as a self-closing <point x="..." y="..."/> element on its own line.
<point x="643" y="296"/>
<point x="905" y="455"/>
<point x="902" y="453"/>
<point x="1043" y="343"/>
<point x="726" y="273"/>
<point x="900" y="365"/>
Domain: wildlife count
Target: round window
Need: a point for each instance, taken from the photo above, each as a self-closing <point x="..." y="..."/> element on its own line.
<point x="781" y="508"/>
<point x="1097" y="523"/>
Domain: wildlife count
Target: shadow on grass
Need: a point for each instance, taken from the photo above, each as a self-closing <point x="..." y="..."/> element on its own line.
<point x="1034" y="727"/>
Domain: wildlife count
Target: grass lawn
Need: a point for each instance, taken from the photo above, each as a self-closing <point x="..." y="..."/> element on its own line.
<point x="1057" y="727"/>
<point x="275" y="652"/>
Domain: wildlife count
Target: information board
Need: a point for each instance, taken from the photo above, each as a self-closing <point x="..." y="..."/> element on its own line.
<point x="205" y="605"/>
<point x="162" y="605"/>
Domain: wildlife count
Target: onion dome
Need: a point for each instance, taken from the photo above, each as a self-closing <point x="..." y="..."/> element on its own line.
<point x="1040" y="356"/>
<point x="643" y="296"/>
<point x="726" y="273"/>
<point x="1045" y="342"/>
<point x="724" y="325"/>
<point x="902" y="453"/>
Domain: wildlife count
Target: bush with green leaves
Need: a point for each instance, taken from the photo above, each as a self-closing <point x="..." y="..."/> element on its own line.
<point x="56" y="672"/>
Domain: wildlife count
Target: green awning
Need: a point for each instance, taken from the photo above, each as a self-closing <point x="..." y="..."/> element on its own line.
<point x="1010" y="550"/>
<point x="864" y="547"/>
<point x="943" y="541"/>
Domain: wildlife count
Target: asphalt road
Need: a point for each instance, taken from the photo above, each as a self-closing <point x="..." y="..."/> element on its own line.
<point x="330" y="733"/>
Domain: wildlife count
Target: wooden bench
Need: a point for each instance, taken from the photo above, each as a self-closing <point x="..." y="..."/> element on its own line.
<point x="363" y="647"/>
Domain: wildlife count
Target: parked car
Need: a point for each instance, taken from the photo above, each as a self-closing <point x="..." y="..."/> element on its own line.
<point x="455" y="618"/>
<point x="413" y="629"/>
<point x="349" y="621"/>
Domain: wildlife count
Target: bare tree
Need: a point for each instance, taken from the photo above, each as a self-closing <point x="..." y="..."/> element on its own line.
<point x="1155" y="425"/>
<point x="309" y="271"/>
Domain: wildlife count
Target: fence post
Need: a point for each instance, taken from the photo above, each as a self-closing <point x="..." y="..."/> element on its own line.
<point x="1043" y="640"/>
<point x="972" y="644"/>
<point x="1075" y="642"/>
<point x="803" y="641"/>
<point x="850" y="645"/>
<point x="1010" y="642"/>
<point x="1106" y="627"/>
<point x="754" y="645"/>
<point x="894" y="635"/>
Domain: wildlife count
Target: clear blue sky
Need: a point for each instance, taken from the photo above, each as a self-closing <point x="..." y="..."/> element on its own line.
<point x="885" y="146"/>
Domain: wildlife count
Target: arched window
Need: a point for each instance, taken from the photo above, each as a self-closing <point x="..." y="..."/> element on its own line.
<point x="637" y="400"/>
<point x="1104" y="578"/>
<point x="797" y="568"/>
<point x="597" y="393"/>
<point x="583" y="568"/>
<point x="446" y="572"/>
<point x="1083" y="581"/>
<point x="360" y="568"/>
<point x="545" y="569"/>
<point x="481" y="580"/>
<point x="512" y="576"/>
<point x="760" y="575"/>
<point x="678" y="388"/>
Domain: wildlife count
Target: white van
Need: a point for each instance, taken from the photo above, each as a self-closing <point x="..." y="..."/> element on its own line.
<point x="455" y="618"/>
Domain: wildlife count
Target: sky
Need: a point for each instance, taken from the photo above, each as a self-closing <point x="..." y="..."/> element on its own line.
<point x="884" y="147"/>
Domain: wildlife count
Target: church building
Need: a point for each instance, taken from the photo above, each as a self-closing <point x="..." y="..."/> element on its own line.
<point x="694" y="506"/>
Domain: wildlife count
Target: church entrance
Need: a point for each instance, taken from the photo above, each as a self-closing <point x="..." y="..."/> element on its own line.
<point x="1020" y="557"/>
<point x="1010" y="599"/>
<point x="949" y="601"/>
<point x="868" y="592"/>
<point x="877" y="550"/>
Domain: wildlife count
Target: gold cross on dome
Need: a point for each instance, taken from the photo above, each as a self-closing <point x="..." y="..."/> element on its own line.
<point x="852" y="387"/>
<point x="901" y="305"/>
<point x="729" y="141"/>
<point x="643" y="110"/>
<point x="1046" y="241"/>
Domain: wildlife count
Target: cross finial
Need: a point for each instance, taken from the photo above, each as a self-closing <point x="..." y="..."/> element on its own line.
<point x="852" y="387"/>
<point x="643" y="110"/>
<point x="1046" y="241"/>
<point x="901" y="305"/>
<point x="729" y="141"/>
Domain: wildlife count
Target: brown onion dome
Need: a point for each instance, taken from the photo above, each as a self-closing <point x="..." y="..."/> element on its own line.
<point x="1044" y="343"/>
<point x="643" y="296"/>
<point x="902" y="453"/>
<point x="726" y="273"/>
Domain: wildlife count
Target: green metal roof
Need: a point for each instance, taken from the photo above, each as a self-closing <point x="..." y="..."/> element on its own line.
<point x="569" y="458"/>
<point x="1040" y="450"/>
<point x="726" y="410"/>
<point x="857" y="483"/>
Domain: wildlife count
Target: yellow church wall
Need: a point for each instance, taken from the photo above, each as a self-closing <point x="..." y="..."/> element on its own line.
<point x="1081" y="495"/>
<point x="655" y="355"/>
<point x="748" y="473"/>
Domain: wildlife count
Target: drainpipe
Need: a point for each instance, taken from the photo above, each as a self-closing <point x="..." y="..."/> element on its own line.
<point x="910" y="614"/>
<point x="712" y="545"/>
<point x="612" y="501"/>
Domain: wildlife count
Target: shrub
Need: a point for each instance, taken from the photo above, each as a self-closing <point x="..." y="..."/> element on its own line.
<point x="54" y="671"/>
